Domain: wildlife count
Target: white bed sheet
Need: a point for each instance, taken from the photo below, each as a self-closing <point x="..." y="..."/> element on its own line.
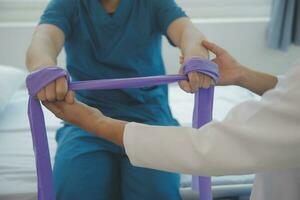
<point x="17" y="166"/>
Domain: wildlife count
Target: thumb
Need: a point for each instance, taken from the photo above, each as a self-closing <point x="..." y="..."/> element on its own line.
<point x="70" y="97"/>
<point x="213" y="48"/>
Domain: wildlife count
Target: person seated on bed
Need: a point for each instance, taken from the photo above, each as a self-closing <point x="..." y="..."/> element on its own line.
<point x="256" y="136"/>
<point x="106" y="39"/>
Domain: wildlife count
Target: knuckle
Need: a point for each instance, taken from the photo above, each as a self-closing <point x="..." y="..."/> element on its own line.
<point x="193" y="82"/>
<point x="40" y="94"/>
<point x="60" y="93"/>
<point x="50" y="97"/>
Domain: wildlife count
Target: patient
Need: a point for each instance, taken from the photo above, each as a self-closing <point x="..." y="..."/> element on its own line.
<point x="106" y="39"/>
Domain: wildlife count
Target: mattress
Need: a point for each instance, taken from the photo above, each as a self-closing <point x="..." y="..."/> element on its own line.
<point x="17" y="166"/>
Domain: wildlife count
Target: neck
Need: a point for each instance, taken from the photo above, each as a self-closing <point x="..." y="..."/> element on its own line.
<point x="110" y="5"/>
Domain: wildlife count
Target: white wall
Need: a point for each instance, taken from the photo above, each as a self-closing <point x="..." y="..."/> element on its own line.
<point x="244" y="38"/>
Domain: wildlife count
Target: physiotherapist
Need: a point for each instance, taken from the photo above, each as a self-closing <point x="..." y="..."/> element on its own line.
<point x="256" y="136"/>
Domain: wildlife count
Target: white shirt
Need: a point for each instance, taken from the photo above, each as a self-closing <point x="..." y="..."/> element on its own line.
<point x="256" y="136"/>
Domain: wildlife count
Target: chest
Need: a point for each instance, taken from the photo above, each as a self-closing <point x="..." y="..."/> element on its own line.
<point x="132" y="24"/>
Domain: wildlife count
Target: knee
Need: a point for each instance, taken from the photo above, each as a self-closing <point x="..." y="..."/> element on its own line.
<point x="84" y="177"/>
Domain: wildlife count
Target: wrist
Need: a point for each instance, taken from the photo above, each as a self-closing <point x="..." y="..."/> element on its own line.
<point x="110" y="129"/>
<point x="242" y="74"/>
<point x="187" y="58"/>
<point x="33" y="66"/>
<point x="102" y="126"/>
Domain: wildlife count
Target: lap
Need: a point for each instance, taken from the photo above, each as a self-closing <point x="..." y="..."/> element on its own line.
<point x="142" y="183"/>
<point x="85" y="169"/>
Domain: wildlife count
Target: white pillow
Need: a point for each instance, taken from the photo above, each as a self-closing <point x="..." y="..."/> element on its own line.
<point x="11" y="79"/>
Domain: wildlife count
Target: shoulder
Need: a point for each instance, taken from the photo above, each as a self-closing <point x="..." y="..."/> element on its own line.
<point x="156" y="3"/>
<point x="63" y="4"/>
<point x="163" y="3"/>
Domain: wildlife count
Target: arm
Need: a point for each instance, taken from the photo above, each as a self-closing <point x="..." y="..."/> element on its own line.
<point x="47" y="42"/>
<point x="188" y="38"/>
<point x="55" y="26"/>
<point x="45" y="46"/>
<point x="185" y="35"/>
<point x="257" y="82"/>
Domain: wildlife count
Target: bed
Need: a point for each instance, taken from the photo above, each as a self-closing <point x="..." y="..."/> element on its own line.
<point x="17" y="166"/>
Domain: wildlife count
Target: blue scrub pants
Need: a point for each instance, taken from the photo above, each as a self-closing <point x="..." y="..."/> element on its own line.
<point x="90" y="168"/>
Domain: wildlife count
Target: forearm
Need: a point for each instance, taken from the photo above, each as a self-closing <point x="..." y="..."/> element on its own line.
<point x="44" y="48"/>
<point x="185" y="35"/>
<point x="109" y="129"/>
<point x="257" y="82"/>
<point x="190" y="43"/>
<point x="41" y="52"/>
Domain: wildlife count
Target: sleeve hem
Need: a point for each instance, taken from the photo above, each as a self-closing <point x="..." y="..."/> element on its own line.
<point x="169" y="21"/>
<point x="62" y="26"/>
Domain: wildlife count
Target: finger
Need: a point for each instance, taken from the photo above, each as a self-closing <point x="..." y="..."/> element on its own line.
<point x="194" y="81"/>
<point x="201" y="80"/>
<point x="206" y="82"/>
<point x="184" y="85"/>
<point x="213" y="48"/>
<point x="41" y="95"/>
<point x="61" y="88"/>
<point x="50" y="92"/>
<point x="70" y="97"/>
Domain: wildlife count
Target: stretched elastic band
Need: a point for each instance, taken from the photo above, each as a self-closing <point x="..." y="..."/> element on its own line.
<point x="207" y="67"/>
<point x="39" y="79"/>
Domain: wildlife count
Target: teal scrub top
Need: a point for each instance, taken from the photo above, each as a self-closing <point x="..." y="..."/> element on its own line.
<point x="125" y="44"/>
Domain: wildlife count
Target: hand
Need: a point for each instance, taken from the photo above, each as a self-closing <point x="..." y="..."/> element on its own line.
<point x="196" y="80"/>
<point x="229" y="68"/>
<point x="75" y="113"/>
<point x="56" y="91"/>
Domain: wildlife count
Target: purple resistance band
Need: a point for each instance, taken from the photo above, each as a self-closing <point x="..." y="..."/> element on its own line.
<point x="39" y="79"/>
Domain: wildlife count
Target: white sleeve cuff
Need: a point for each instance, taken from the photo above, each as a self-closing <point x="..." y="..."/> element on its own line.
<point x="129" y="138"/>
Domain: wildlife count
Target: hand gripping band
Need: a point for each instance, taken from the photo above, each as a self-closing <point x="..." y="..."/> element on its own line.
<point x="39" y="79"/>
<point x="207" y="67"/>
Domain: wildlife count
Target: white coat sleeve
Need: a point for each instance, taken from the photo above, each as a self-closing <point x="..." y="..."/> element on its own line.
<point x="255" y="136"/>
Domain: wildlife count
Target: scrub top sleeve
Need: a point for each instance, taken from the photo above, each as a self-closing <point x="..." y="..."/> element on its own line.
<point x="166" y="11"/>
<point x="60" y="13"/>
